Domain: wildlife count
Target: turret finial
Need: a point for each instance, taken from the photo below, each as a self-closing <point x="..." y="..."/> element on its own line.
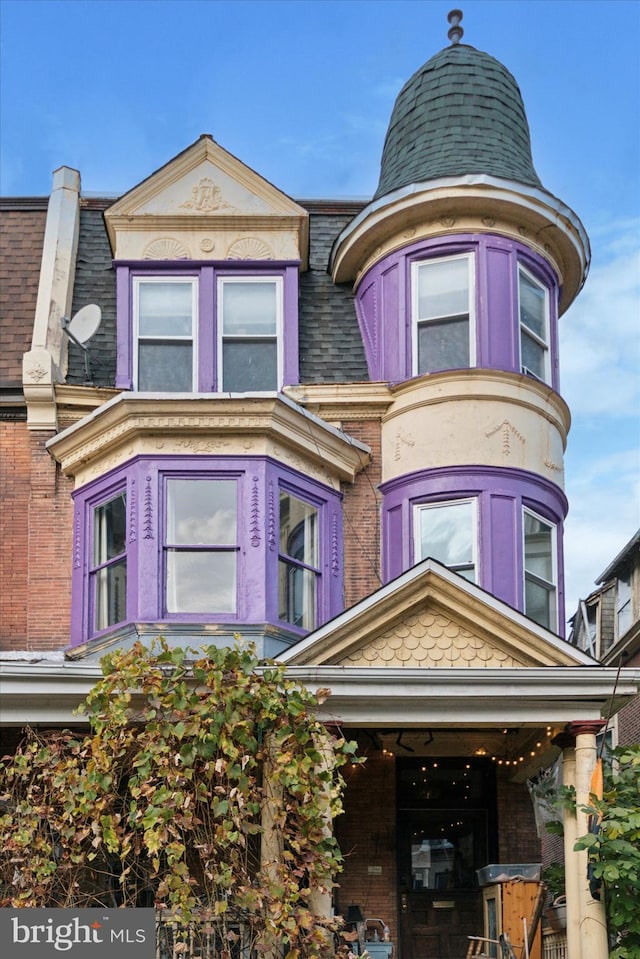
<point x="455" y="33"/>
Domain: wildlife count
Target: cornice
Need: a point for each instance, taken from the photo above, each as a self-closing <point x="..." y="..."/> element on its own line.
<point x="452" y="205"/>
<point x="128" y="418"/>
<point x="335" y="402"/>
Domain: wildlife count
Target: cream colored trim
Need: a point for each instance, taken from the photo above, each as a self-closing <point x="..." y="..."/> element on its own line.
<point x="431" y="589"/>
<point x="203" y="424"/>
<point x="335" y="402"/>
<point x="510" y="420"/>
<point x="274" y="212"/>
<point x="46" y="362"/>
<point x="473" y="203"/>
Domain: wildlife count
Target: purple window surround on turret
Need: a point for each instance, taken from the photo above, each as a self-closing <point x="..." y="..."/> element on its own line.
<point x="500" y="495"/>
<point x="384" y="304"/>
<point x="254" y="543"/>
<point x="206" y="274"/>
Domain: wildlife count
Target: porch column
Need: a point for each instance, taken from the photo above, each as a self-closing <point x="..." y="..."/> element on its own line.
<point x="593" y="924"/>
<point x="567" y="743"/>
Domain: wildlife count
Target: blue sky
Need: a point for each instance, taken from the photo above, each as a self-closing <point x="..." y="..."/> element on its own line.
<point x="302" y="91"/>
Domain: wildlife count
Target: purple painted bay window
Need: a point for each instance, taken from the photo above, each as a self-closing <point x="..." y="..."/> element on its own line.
<point x="500" y="528"/>
<point x="205" y="540"/>
<point x="471" y="300"/>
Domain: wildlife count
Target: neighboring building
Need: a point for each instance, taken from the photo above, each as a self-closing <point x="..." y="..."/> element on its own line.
<point x="607" y="626"/>
<point x="333" y="428"/>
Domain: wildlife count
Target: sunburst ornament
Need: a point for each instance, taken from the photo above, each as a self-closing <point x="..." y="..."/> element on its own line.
<point x="166" y="248"/>
<point x="250" y="248"/>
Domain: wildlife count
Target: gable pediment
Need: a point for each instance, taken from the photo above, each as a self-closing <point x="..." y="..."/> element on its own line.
<point x="207" y="204"/>
<point x="430" y="617"/>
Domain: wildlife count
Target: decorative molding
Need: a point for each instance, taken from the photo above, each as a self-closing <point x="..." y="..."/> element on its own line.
<point x="448" y="221"/>
<point x="166" y="248"/>
<point x="255" y="513"/>
<point x="148" y="509"/>
<point x="206" y="198"/>
<point x="508" y="432"/>
<point x="402" y="438"/>
<point x="207" y="245"/>
<point x="489" y="221"/>
<point x="133" y="512"/>
<point x="271" y="523"/>
<point x="335" y="563"/>
<point x="77" y="549"/>
<point x="554" y="467"/>
<point x="36" y="373"/>
<point x="426" y="639"/>
<point x="250" y="248"/>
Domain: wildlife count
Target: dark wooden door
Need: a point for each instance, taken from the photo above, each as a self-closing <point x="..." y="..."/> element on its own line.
<point x="446" y="809"/>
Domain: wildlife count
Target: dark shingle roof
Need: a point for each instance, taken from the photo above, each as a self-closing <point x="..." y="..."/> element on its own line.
<point x="331" y="349"/>
<point x="330" y="345"/>
<point x="95" y="283"/>
<point x="460" y="113"/>
<point x="21" y="237"/>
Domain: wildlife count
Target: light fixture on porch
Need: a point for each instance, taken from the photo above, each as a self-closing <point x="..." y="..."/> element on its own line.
<point x="480" y="751"/>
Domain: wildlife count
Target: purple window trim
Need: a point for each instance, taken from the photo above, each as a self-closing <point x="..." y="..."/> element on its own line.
<point x="383" y="303"/>
<point x="501" y="494"/>
<point x="257" y="581"/>
<point x="206" y="272"/>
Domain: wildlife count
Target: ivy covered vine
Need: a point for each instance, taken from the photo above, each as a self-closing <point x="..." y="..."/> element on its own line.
<point x="163" y="801"/>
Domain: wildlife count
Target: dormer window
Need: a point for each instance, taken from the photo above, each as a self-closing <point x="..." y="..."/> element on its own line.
<point x="219" y="328"/>
<point x="443" y="335"/>
<point x="533" y="305"/>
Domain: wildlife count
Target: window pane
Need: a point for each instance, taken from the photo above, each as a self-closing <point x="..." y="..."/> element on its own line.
<point x="533" y="355"/>
<point x="443" y="345"/>
<point x="539" y="600"/>
<point x="110" y="595"/>
<point x="538" y="547"/>
<point x="298" y="529"/>
<point x="109" y="530"/>
<point x="249" y="366"/>
<point x="201" y="582"/>
<point x="533" y="306"/>
<point x="446" y="534"/>
<point x="249" y="309"/>
<point x="201" y="512"/>
<point x="165" y="309"/>
<point x="296" y="595"/>
<point x="165" y="367"/>
<point x="443" y="288"/>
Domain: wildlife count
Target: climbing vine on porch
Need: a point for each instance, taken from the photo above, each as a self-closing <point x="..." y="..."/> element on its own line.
<point x="164" y="800"/>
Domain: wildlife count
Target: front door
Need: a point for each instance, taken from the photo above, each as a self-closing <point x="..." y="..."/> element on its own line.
<point x="446" y="814"/>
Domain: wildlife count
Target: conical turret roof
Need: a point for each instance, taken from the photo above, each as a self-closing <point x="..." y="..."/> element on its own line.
<point x="460" y="113"/>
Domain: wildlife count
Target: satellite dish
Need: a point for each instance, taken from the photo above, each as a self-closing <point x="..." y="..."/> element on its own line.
<point x="84" y="324"/>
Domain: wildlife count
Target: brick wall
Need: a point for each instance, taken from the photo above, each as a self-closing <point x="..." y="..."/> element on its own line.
<point x="362" y="519"/>
<point x="517" y="835"/>
<point x="36" y="528"/>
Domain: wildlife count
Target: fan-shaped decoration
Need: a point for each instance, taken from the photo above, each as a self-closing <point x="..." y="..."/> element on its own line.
<point x="166" y="248"/>
<point x="250" y="248"/>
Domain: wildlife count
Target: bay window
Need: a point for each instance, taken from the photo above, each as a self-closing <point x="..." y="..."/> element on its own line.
<point x="447" y="533"/>
<point x="540" y="576"/>
<point x="108" y="568"/>
<point x="442" y="314"/>
<point x="201" y="546"/>
<point x="533" y="306"/>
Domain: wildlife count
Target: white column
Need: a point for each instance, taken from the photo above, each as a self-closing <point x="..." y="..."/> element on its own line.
<point x="570" y="830"/>
<point x="593" y="924"/>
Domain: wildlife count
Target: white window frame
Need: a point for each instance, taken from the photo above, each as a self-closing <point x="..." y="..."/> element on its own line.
<point x="138" y="282"/>
<point x="419" y="508"/>
<point x="279" y="286"/>
<point x="416" y="321"/>
<point x="553" y="583"/>
<point x="524" y="330"/>
<point x="624" y="596"/>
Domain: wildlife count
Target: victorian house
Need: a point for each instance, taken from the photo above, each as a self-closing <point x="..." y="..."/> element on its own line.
<point x="336" y="430"/>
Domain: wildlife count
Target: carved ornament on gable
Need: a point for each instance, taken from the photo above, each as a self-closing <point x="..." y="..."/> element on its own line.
<point x="206" y="197"/>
